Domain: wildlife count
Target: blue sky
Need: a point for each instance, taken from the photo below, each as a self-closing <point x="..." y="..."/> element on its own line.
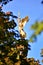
<point x="34" y="10"/>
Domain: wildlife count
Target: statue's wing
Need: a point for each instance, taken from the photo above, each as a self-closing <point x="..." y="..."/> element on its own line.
<point x="24" y="21"/>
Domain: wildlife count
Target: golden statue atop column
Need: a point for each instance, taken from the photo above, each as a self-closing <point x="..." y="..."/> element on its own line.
<point x="21" y="24"/>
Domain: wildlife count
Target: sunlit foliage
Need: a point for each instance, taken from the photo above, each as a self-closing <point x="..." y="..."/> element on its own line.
<point x="37" y="27"/>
